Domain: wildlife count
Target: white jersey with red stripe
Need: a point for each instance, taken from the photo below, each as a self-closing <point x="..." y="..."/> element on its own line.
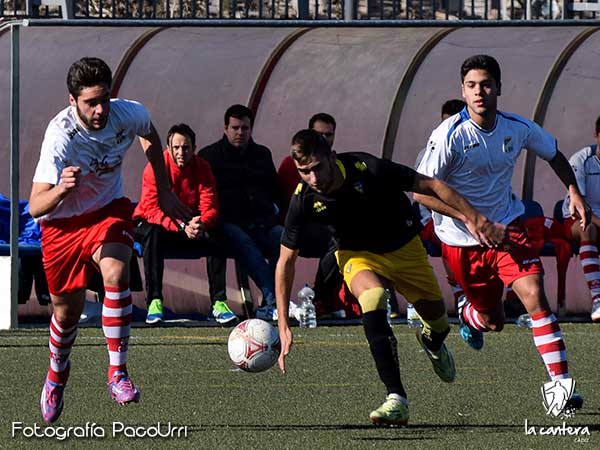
<point x="99" y="154"/>
<point x="479" y="164"/>
<point x="586" y="166"/>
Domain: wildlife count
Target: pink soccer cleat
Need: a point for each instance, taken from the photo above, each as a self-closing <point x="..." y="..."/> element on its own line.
<point x="51" y="401"/>
<point x="121" y="389"/>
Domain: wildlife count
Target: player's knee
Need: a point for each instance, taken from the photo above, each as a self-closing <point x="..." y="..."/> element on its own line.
<point x="115" y="275"/>
<point x="66" y="317"/>
<point x="373" y="299"/>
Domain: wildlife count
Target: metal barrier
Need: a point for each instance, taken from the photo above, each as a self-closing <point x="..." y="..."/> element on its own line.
<point x="268" y="10"/>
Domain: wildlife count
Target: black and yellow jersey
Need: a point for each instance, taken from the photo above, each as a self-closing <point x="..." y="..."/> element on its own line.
<point x="369" y="212"/>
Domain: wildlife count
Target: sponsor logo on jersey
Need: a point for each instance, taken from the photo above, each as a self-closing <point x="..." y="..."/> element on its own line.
<point x="360" y="166"/>
<point x="102" y="166"/>
<point x="319" y="207"/>
<point x="120" y="137"/>
<point x="471" y="146"/>
<point x="507" y="146"/>
<point x="298" y="189"/>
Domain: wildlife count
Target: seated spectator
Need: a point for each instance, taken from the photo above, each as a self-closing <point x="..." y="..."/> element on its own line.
<point x="318" y="241"/>
<point x="249" y="222"/>
<point x="192" y="181"/>
<point x="586" y="166"/>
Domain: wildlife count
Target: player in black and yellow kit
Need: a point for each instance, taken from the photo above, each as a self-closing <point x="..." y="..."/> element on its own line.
<point x="362" y="199"/>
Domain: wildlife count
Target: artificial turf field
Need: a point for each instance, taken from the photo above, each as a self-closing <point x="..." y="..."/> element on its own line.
<point x="186" y="378"/>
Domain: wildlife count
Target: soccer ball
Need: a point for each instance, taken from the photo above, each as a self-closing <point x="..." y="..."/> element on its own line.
<point x="254" y="345"/>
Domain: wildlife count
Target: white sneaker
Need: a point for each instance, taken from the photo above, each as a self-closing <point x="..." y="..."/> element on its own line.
<point x="339" y="314"/>
<point x="294" y="311"/>
<point x="267" y="313"/>
<point x="92" y="311"/>
<point x="596" y="310"/>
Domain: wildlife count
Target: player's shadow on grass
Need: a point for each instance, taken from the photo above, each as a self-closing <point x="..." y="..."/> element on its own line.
<point x="136" y="344"/>
<point x="411" y="432"/>
<point x="420" y="428"/>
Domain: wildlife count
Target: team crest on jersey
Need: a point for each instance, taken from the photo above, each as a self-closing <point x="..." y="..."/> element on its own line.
<point x="507" y="146"/>
<point x="359" y="187"/>
<point x="120" y="136"/>
<point x="360" y="165"/>
<point x="319" y="207"/>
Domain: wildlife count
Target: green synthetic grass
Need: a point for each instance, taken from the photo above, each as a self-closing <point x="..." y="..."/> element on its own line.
<point x="323" y="402"/>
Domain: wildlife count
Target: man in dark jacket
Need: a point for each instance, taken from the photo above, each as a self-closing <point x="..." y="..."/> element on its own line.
<point x="248" y="191"/>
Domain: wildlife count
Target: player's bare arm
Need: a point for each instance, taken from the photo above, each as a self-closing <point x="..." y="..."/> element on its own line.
<point x="284" y="278"/>
<point x="45" y="197"/>
<point x="577" y="205"/>
<point x="438" y="196"/>
<point x="167" y="199"/>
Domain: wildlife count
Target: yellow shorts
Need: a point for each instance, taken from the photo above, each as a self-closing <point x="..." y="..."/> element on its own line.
<point x="407" y="268"/>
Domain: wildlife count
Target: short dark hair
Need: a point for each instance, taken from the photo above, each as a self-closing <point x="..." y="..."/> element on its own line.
<point x="183" y="129"/>
<point x="87" y="72"/>
<point x="452" y="107"/>
<point x="321" y="117"/>
<point x="598" y="125"/>
<point x="307" y="143"/>
<point x="239" y="112"/>
<point x="481" y="62"/>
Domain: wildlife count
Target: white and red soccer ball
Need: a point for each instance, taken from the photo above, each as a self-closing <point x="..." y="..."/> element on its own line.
<point x="254" y="345"/>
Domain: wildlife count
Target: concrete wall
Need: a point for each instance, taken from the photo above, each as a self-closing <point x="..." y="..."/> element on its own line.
<point x="384" y="86"/>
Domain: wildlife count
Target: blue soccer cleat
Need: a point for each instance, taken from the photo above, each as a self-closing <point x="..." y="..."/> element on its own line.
<point x="473" y="337"/>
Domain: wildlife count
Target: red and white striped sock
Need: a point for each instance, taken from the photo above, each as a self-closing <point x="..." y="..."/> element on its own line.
<point x="588" y="255"/>
<point x="473" y="318"/>
<point x="116" y="319"/>
<point x="549" y="342"/>
<point x="60" y="343"/>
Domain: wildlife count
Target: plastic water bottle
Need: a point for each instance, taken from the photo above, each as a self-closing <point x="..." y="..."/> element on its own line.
<point x="307" y="314"/>
<point x="524" y="321"/>
<point x="412" y="318"/>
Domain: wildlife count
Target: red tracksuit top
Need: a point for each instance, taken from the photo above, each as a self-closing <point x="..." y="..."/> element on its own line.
<point x="194" y="185"/>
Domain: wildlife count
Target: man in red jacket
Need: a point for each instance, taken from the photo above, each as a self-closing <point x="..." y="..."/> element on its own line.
<point x="193" y="182"/>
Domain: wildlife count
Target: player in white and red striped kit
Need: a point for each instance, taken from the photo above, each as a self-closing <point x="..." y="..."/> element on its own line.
<point x="475" y="152"/>
<point x="586" y="165"/>
<point x="77" y="194"/>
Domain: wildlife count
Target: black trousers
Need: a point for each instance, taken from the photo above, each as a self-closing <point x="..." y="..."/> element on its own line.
<point x="31" y="268"/>
<point x="157" y="241"/>
<point x="317" y="241"/>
